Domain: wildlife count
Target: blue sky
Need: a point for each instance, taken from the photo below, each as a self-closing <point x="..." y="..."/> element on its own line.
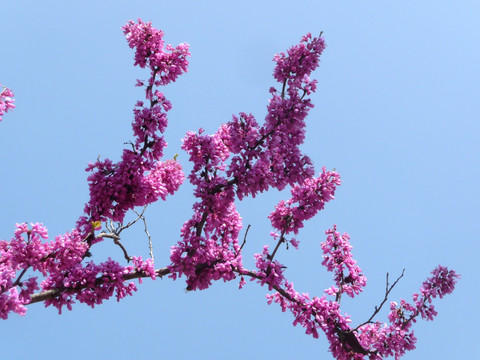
<point x="396" y="114"/>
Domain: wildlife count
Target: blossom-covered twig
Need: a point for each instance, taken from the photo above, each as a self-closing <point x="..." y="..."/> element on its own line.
<point x="242" y="158"/>
<point x="138" y="179"/>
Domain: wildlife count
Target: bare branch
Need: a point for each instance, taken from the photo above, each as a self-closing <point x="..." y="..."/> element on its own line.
<point x="110" y="235"/>
<point x="140" y="216"/>
<point x="150" y="245"/>
<point x="280" y="241"/>
<point x="201" y="224"/>
<point x="19" y="279"/>
<point x="388" y="289"/>
<point x="244" y="240"/>
<point x="116" y="240"/>
<point x="125" y="253"/>
<point x="283" y="88"/>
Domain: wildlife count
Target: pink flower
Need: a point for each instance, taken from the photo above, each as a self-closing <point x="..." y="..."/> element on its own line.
<point x="6" y="101"/>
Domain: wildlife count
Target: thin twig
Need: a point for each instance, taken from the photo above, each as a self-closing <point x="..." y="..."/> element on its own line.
<point x="150" y="245"/>
<point x="116" y="240"/>
<point x="125" y="253"/>
<point x="140" y="216"/>
<point x="415" y="314"/>
<point x="338" y="297"/>
<point x="108" y="235"/>
<point x="19" y="279"/>
<point x="387" y="292"/>
<point x="280" y="241"/>
<point x="244" y="239"/>
<point x="283" y="89"/>
<point x="201" y="224"/>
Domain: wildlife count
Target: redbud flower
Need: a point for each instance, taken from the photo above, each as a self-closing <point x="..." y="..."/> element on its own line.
<point x="6" y="101"/>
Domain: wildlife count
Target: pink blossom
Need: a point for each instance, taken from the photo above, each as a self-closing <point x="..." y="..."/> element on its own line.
<point x="6" y="101"/>
<point x="295" y="243"/>
<point x="338" y="258"/>
<point x="138" y="179"/>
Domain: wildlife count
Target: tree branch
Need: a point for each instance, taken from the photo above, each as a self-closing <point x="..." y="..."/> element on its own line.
<point x="150" y="245"/>
<point x="387" y="292"/>
<point x="244" y="240"/>
<point x="280" y="241"/>
<point x="140" y="216"/>
<point x="53" y="293"/>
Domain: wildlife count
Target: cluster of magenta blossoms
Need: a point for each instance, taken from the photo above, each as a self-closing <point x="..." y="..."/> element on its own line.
<point x="396" y="337"/>
<point x="6" y="100"/>
<point x="338" y="259"/>
<point x="138" y="179"/>
<point x="242" y="158"/>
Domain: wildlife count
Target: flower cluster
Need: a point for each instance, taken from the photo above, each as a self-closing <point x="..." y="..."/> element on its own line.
<point x="82" y="279"/>
<point x="373" y="339"/>
<point x="60" y="262"/>
<point x="263" y="157"/>
<point x="25" y="251"/>
<point x="138" y="179"/>
<point x="397" y="337"/>
<point x="440" y="284"/>
<point x="209" y="247"/>
<point x="314" y="314"/>
<point x="307" y="199"/>
<point x="18" y="254"/>
<point x="270" y="272"/>
<point x="149" y="121"/>
<point x="6" y="101"/>
<point x="93" y="283"/>
<point x="165" y="178"/>
<point x="211" y="256"/>
<point x="149" y="51"/>
<point x="269" y="156"/>
<point x="116" y="188"/>
<point x="338" y="258"/>
<point x="301" y="59"/>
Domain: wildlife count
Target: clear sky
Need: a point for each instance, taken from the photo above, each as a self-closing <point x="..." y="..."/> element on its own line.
<point x="396" y="114"/>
